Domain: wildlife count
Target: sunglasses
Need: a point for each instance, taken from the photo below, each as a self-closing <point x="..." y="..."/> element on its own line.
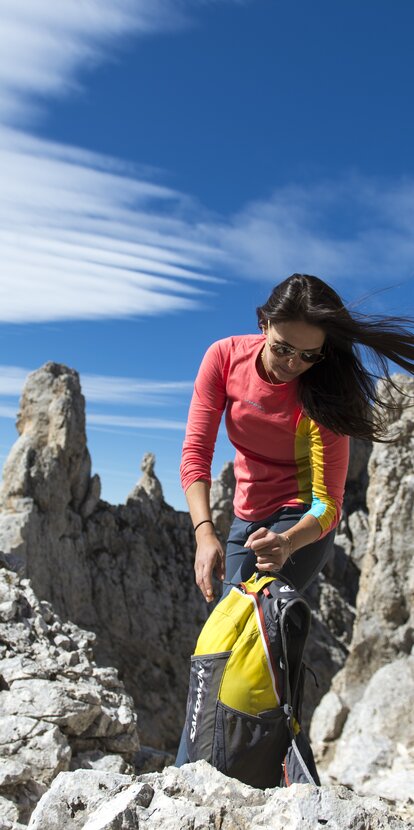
<point x="284" y="350"/>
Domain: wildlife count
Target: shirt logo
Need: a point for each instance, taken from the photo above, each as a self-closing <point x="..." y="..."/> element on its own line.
<point x="253" y="403"/>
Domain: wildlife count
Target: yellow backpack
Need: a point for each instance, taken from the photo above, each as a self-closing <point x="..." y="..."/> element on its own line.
<point x="246" y="683"/>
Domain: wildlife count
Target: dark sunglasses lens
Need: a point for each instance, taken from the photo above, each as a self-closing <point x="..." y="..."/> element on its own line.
<point x="312" y="358"/>
<point x="281" y="351"/>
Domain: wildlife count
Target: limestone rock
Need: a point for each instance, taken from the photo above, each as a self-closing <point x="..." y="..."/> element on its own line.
<point x="54" y="701"/>
<point x="221" y="501"/>
<point x="327" y="646"/>
<point x="378" y="737"/>
<point x="384" y="625"/>
<point x="358" y="528"/>
<point x="51" y="418"/>
<point x="71" y="706"/>
<point x="30" y="751"/>
<point x="327" y="721"/>
<point x="92" y="497"/>
<point x="99" y="761"/>
<point x="197" y="796"/>
<point x="75" y="797"/>
<point x="379" y="666"/>
<point x="108" y="569"/>
<point x="9" y="814"/>
<point x="149" y="483"/>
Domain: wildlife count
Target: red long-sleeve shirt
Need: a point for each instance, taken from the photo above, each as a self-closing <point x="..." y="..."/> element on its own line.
<point x="283" y="457"/>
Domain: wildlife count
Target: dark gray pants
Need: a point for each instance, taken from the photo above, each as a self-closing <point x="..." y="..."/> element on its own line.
<point x="300" y="569"/>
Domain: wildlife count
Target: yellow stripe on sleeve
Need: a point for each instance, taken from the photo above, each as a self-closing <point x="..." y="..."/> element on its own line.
<point x="323" y="505"/>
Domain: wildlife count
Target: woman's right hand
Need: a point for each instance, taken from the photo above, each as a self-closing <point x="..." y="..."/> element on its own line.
<point x="209" y="557"/>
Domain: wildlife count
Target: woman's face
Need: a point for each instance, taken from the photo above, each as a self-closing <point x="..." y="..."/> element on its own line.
<point x="301" y="337"/>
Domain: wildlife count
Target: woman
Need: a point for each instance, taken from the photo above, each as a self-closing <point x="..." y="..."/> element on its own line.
<point x="293" y="395"/>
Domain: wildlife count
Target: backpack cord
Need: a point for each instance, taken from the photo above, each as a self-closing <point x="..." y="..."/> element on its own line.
<point x="288" y="703"/>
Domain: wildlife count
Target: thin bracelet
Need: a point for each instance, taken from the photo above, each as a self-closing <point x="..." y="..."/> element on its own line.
<point x="210" y="521"/>
<point x="289" y="541"/>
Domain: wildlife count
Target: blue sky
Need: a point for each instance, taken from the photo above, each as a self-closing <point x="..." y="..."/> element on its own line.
<point x="163" y="164"/>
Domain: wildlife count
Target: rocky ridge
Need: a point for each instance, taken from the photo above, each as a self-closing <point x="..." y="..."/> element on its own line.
<point x="58" y="709"/>
<point x="99" y="567"/>
<point x="197" y="797"/>
<point x="363" y="730"/>
<point x="124" y="572"/>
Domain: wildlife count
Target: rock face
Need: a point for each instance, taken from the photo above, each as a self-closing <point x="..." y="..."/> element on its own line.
<point x="364" y="731"/>
<point x="221" y="501"/>
<point x="58" y="710"/>
<point x="122" y="572"/>
<point x="197" y="796"/>
<point x="125" y="575"/>
<point x="375" y="750"/>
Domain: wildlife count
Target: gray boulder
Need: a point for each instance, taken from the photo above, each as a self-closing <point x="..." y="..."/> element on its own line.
<point x="375" y="750"/>
<point x="197" y="796"/>
<point x="55" y="703"/>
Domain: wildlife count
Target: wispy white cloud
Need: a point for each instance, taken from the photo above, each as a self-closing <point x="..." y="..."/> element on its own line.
<point x="8" y="411"/>
<point x="43" y="45"/>
<point x="296" y="229"/>
<point x="80" y="241"/>
<point x="131" y="422"/>
<point x="95" y="419"/>
<point x="112" y="391"/>
<point x="82" y="236"/>
<point x="107" y="389"/>
<point x="12" y="380"/>
<point x="87" y="237"/>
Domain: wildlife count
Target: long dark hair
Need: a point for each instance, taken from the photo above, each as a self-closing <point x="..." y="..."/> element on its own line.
<point x="340" y="392"/>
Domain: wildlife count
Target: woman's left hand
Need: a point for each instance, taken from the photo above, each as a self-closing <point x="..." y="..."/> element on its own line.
<point x="271" y="549"/>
